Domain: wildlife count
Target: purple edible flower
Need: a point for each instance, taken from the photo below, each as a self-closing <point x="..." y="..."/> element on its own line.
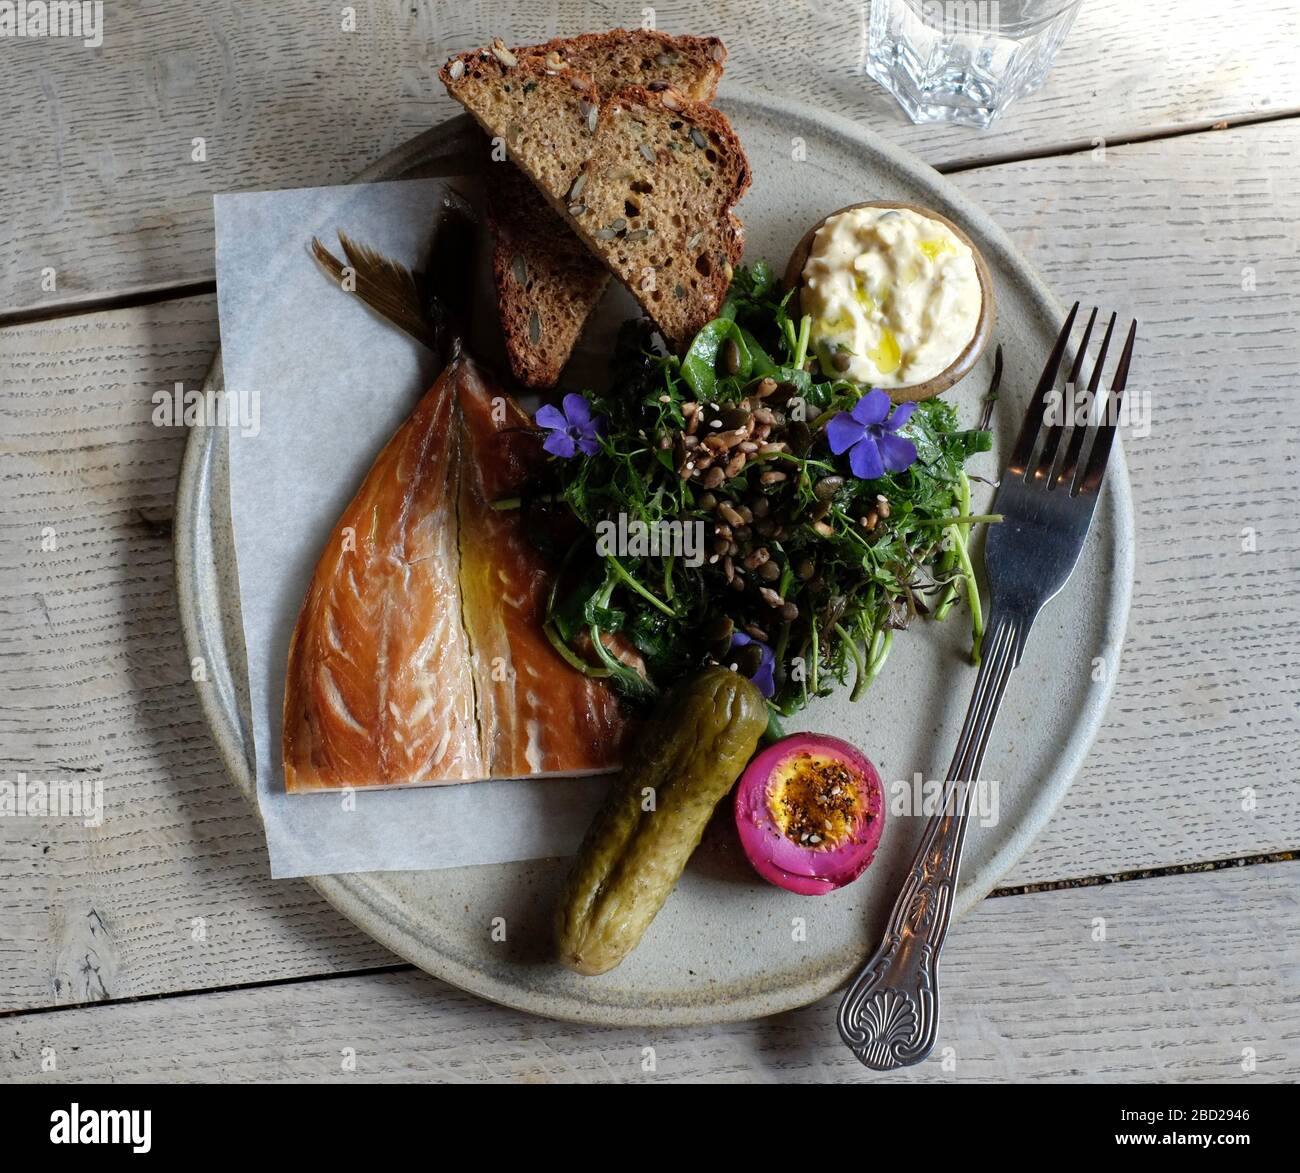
<point x="868" y="435"/>
<point x="572" y="430"/>
<point x="763" y="679"/>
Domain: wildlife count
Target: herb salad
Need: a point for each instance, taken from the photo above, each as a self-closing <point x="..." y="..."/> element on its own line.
<point x="827" y="518"/>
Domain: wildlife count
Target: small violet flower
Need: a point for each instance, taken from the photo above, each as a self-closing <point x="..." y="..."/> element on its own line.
<point x="869" y="435"/>
<point x="763" y="678"/>
<point x="572" y="430"/>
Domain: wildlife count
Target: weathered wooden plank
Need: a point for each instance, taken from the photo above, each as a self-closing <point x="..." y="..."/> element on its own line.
<point x="94" y="678"/>
<point x="1199" y="238"/>
<point x="172" y="890"/>
<point x="102" y="188"/>
<point x="1177" y="979"/>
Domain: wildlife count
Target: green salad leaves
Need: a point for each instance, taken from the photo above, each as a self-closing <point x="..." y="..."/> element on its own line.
<point x="717" y="523"/>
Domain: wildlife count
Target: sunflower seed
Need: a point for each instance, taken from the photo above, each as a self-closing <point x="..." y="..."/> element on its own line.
<point x="667" y="59"/>
<point x="577" y="209"/>
<point x="671" y="100"/>
<point x="575" y="188"/>
<point x="619" y="224"/>
<point x="576" y="82"/>
<point x="519" y="269"/>
<point x="639" y="235"/>
<point x="647" y="152"/>
<point x="456" y="71"/>
<point x="593" y="114"/>
<point x="534" y="327"/>
<point x="698" y="138"/>
<point x="606" y="234"/>
<point x="695" y="241"/>
<point x="502" y="54"/>
<point x="657" y="86"/>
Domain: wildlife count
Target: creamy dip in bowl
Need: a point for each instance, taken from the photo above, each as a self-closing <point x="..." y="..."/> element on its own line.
<point x="899" y="298"/>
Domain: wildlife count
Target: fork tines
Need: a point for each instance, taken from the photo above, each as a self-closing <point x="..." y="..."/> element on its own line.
<point x="1051" y="468"/>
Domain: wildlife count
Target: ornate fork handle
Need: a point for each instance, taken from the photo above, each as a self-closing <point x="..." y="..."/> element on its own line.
<point x="890" y="1014"/>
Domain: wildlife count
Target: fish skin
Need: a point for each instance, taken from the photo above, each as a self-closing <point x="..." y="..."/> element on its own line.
<point x="536" y="714"/>
<point x="418" y="656"/>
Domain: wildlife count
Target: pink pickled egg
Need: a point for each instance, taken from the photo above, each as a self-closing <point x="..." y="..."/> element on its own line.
<point x="810" y="810"/>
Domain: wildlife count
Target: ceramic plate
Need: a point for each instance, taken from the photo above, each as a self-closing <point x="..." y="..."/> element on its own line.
<point x="726" y="946"/>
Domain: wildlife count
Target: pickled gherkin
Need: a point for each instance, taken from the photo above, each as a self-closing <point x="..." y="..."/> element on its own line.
<point x="683" y="764"/>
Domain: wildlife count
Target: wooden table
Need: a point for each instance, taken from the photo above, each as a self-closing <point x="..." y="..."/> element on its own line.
<point x="1152" y="932"/>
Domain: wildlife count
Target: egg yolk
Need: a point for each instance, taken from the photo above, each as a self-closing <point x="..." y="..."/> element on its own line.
<point x="815" y="801"/>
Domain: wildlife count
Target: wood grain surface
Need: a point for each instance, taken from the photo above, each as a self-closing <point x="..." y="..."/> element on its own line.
<point x="101" y="183"/>
<point x="96" y="684"/>
<point x="1030" y="993"/>
<point x="1110" y="180"/>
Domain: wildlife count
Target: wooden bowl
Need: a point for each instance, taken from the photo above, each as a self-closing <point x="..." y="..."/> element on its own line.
<point x="970" y="354"/>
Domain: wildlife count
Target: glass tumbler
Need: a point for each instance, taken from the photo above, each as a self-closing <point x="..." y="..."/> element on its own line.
<point x="964" y="61"/>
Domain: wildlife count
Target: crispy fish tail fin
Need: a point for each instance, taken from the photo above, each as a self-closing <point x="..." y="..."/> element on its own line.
<point x="421" y="303"/>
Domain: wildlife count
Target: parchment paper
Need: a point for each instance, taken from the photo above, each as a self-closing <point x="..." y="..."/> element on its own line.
<point x="332" y="382"/>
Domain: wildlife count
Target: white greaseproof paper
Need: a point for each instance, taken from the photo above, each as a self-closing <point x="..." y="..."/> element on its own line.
<point x="325" y="383"/>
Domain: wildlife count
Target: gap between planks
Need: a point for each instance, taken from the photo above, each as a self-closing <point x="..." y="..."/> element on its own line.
<point x="171" y="291"/>
<point x="406" y="967"/>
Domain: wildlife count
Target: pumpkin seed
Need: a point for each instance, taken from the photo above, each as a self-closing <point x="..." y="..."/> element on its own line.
<point x="698" y="138"/>
<point x="679" y="292"/>
<point x="647" y="152"/>
<point x="827" y="487"/>
<point x="534" y="327"/>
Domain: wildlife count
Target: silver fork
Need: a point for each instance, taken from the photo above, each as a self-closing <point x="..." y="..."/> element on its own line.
<point x="889" y="1016"/>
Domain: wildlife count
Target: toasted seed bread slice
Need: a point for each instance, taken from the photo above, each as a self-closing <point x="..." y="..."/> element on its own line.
<point x="562" y="281"/>
<point x="626" y="57"/>
<point x="663" y="170"/>
<point x="547" y="282"/>
<point x="663" y="175"/>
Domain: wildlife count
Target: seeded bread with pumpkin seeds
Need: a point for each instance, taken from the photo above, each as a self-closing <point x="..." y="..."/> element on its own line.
<point x="543" y="314"/>
<point x="547" y="282"/>
<point x="671" y="165"/>
<point x="642" y="57"/>
<point x="655" y="204"/>
<point x="543" y="116"/>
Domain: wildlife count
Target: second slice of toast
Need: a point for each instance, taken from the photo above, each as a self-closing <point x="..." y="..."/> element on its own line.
<point x="647" y="178"/>
<point x="548" y="282"/>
